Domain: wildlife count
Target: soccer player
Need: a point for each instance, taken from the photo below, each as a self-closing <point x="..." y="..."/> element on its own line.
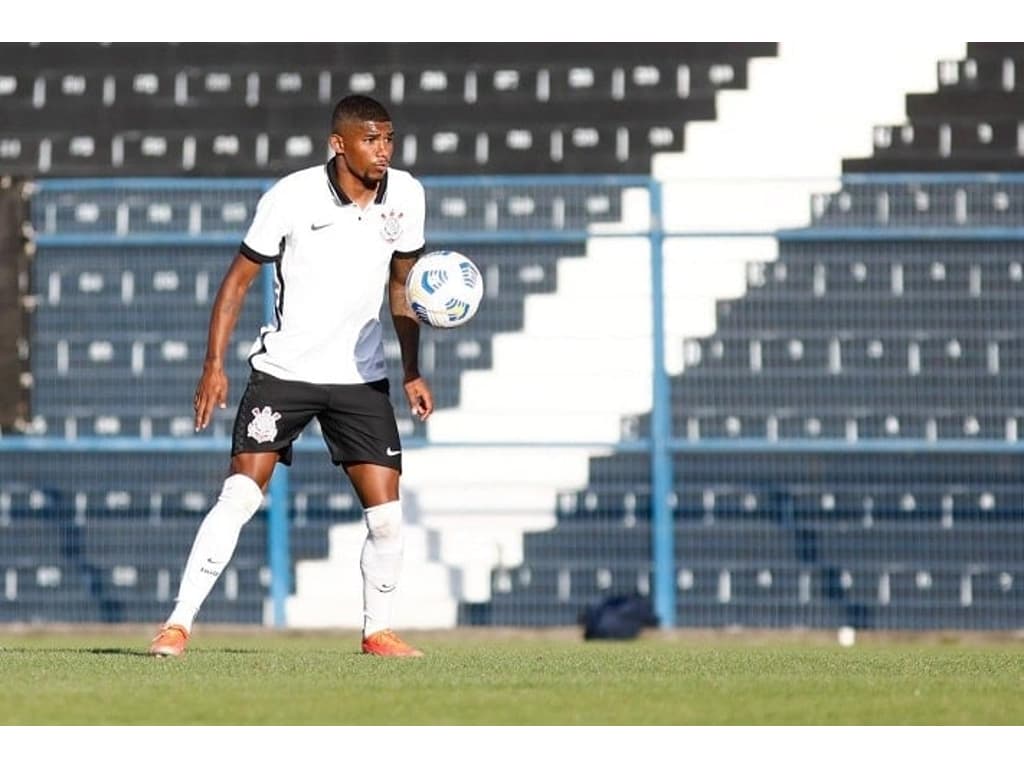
<point x="336" y="235"/>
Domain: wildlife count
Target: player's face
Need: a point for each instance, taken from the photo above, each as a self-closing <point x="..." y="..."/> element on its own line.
<point x="366" y="148"/>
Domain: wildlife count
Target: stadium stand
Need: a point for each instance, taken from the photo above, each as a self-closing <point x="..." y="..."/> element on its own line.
<point x="835" y="339"/>
<point x="117" y="329"/>
<point x="839" y="341"/>
<point x="971" y="123"/>
<point x="258" y="110"/>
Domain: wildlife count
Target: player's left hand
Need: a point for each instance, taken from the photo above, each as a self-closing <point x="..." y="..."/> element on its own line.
<point x="421" y="401"/>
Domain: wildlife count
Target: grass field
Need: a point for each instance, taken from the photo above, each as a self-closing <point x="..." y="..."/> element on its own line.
<point x="230" y="676"/>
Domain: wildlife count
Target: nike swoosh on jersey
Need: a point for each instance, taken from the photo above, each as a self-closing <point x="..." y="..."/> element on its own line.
<point x="315" y="227"/>
<point x="391" y="452"/>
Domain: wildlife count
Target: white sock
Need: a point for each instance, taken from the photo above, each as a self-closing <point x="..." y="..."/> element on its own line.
<point x="381" y="562"/>
<point x="214" y="545"/>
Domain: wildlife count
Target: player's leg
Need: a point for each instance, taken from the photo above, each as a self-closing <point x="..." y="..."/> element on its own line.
<point x="363" y="438"/>
<point x="215" y="541"/>
<point x="270" y="416"/>
<point x="381" y="558"/>
<point x="213" y="546"/>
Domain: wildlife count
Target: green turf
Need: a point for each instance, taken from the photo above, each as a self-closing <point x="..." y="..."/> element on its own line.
<point x="232" y="678"/>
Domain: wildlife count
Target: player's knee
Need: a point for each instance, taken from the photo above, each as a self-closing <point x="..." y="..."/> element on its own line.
<point x="242" y="496"/>
<point x="384" y="521"/>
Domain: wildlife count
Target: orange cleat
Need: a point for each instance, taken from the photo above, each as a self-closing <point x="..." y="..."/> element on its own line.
<point x="169" y="641"/>
<point x="387" y="643"/>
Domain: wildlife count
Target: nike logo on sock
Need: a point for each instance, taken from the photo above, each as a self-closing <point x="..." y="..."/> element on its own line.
<point x="391" y="452"/>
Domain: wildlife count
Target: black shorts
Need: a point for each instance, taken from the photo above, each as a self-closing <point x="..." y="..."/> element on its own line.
<point x="357" y="420"/>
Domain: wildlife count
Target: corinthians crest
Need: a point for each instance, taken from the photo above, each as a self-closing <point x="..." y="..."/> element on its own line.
<point x="263" y="427"/>
<point x="391" y="225"/>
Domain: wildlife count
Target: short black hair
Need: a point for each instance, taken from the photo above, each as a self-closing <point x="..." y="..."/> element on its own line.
<point x="360" y="109"/>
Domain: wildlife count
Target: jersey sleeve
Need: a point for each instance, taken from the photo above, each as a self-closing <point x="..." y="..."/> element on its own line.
<point x="413" y="238"/>
<point x="264" y="242"/>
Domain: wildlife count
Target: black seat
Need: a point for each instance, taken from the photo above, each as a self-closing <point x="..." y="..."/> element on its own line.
<point x="21" y="153"/>
<point x="216" y="152"/>
<point x="283" y="88"/>
<point x="224" y="86"/>
<point x="507" y="85"/>
<point x="142" y="90"/>
<point x="432" y="86"/>
<point x="148" y="152"/>
<point x="441" y="151"/>
<point x="18" y="91"/>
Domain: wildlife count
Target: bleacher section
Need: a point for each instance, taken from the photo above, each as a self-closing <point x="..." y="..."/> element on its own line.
<point x="119" y="335"/>
<point x="138" y="313"/>
<point x="262" y="109"/>
<point x="858" y="332"/>
<point x="126" y="272"/>
<point x="753" y="573"/>
<point x="885" y="318"/>
<point x="101" y="537"/>
<point x="971" y="123"/>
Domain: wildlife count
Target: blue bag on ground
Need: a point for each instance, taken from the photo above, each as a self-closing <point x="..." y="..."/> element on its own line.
<point x="621" y="617"/>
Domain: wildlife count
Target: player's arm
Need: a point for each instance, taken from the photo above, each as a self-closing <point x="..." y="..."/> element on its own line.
<point x="212" y="389"/>
<point x="407" y="328"/>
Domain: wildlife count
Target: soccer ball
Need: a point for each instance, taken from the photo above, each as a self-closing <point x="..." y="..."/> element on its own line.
<point x="444" y="289"/>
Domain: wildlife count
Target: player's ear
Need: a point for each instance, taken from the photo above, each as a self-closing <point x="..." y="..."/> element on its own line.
<point x="337" y="144"/>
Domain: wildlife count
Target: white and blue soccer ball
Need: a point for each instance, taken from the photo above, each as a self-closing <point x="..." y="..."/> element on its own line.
<point x="444" y="289"/>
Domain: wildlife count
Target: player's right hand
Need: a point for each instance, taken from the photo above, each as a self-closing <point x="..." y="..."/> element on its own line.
<point x="421" y="400"/>
<point x="211" y="391"/>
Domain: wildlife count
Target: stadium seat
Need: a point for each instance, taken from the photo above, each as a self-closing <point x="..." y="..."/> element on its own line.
<point x="287" y="87"/>
<point x="283" y="154"/>
<point x="142" y="90"/>
<point x="71" y="91"/>
<point x="23" y="153"/>
<point x="224" y="86"/>
<point x="216" y="152"/>
<point x="448" y="150"/>
<point x="976" y="73"/>
<point x="508" y="86"/>
<point x="435" y="86"/>
<point x="140" y="153"/>
<point x="17" y="91"/>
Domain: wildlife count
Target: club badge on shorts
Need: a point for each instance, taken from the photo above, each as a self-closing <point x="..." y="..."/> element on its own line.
<point x="391" y="226"/>
<point x="263" y="427"/>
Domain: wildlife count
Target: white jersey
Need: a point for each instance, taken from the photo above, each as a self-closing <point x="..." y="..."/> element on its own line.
<point x="332" y="263"/>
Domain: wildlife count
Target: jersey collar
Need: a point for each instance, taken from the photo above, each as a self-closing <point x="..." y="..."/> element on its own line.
<point x="339" y="193"/>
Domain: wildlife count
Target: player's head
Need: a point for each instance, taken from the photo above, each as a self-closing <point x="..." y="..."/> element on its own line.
<point x="359" y="109"/>
<point x="362" y="137"/>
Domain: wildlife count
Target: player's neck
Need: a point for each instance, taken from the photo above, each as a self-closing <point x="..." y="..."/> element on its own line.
<point x="358" y="192"/>
<point x="355" y="189"/>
